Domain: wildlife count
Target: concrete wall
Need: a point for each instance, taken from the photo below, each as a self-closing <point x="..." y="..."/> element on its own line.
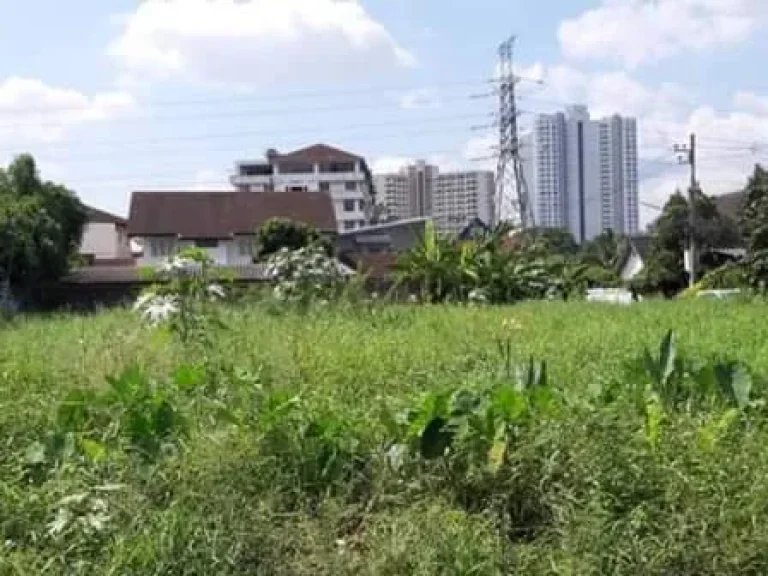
<point x="105" y="241"/>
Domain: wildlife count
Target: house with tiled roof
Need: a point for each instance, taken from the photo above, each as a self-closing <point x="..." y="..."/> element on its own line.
<point x="105" y="238"/>
<point x="319" y="168"/>
<point x="225" y="224"/>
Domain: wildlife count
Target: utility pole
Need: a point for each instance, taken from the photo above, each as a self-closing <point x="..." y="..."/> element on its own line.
<point x="510" y="180"/>
<point x="687" y="155"/>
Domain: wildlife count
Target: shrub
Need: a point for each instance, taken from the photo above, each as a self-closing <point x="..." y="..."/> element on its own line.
<point x="732" y="275"/>
<point x="304" y="275"/>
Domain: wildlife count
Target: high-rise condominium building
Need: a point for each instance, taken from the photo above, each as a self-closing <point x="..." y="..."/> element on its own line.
<point x="452" y="200"/>
<point x="582" y="173"/>
<point x="319" y="168"/>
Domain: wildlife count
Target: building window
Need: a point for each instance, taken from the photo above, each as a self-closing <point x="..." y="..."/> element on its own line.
<point x="256" y="170"/>
<point x="361" y="223"/>
<point x="361" y="205"/>
<point x="337" y="167"/>
<point x="349" y="205"/>
<point x="245" y="246"/>
<point x="325" y="186"/>
<point x="206" y="243"/>
<point x="161" y="247"/>
<point x="350" y="186"/>
<point x="349" y="224"/>
<point x="296" y="168"/>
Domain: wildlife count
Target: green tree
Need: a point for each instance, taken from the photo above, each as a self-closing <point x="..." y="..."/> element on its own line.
<point x="41" y="226"/>
<point x="549" y="240"/>
<point x="607" y="251"/>
<point x="278" y="233"/>
<point x="664" y="269"/>
<point x="755" y="226"/>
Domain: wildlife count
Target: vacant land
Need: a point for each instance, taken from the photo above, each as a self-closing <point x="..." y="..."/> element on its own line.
<point x="389" y="440"/>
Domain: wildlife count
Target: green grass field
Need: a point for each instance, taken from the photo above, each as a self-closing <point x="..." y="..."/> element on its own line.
<point x="269" y="453"/>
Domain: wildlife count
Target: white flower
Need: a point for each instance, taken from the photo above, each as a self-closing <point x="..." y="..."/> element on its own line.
<point x="143" y="300"/>
<point x="180" y="265"/>
<point x="160" y="309"/>
<point x="215" y="291"/>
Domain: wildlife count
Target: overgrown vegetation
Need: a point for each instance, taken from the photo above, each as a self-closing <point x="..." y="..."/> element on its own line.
<point x="376" y="439"/>
<point x="505" y="266"/>
<point x="41" y="224"/>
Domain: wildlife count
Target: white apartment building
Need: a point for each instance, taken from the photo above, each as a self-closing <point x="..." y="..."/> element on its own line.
<point x="582" y="173"/>
<point x="318" y="168"/>
<point x="452" y="200"/>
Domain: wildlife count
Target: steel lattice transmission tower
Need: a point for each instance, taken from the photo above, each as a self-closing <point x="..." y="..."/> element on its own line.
<point x="511" y="187"/>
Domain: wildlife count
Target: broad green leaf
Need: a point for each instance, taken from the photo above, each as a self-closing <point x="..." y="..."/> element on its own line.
<point x="94" y="450"/>
<point x="509" y="403"/>
<point x="667" y="357"/>
<point x="741" y="384"/>
<point x="496" y="455"/>
<point x="435" y="439"/>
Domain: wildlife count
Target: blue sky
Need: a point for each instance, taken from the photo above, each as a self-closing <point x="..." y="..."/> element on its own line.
<point x="166" y="94"/>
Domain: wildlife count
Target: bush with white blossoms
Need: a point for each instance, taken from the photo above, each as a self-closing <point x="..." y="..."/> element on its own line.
<point x="303" y="275"/>
<point x="180" y="298"/>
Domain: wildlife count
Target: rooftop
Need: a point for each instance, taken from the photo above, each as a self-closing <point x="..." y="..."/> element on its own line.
<point x="97" y="216"/>
<point x="224" y="214"/>
<point x="314" y="154"/>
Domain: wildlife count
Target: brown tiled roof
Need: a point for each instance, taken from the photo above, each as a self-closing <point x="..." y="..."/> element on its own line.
<point x="222" y="214"/>
<point x="318" y="153"/>
<point x="97" y="216"/>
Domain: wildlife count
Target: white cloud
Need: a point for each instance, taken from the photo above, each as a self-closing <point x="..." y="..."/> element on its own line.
<point x="661" y="110"/>
<point x="638" y="31"/>
<point x="257" y="42"/>
<point x="39" y="112"/>
<point x="751" y="102"/>
<point x="730" y="142"/>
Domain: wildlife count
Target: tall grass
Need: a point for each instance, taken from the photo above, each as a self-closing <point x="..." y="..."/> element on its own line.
<point x="292" y="454"/>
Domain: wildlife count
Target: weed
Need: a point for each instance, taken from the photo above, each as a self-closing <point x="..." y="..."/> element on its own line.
<point x="377" y="439"/>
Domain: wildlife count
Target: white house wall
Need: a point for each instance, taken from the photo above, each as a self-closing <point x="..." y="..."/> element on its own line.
<point x="104" y="241"/>
<point x="227" y="253"/>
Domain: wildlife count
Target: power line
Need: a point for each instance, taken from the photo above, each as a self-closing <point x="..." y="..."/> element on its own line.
<point x="287" y="95"/>
<point x="122" y="144"/>
<point x="228" y="113"/>
<point x="236" y="152"/>
<point x="141" y="180"/>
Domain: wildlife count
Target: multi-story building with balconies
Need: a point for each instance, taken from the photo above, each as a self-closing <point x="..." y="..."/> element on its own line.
<point x="582" y="173"/>
<point x="319" y="168"/>
<point x="452" y="199"/>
